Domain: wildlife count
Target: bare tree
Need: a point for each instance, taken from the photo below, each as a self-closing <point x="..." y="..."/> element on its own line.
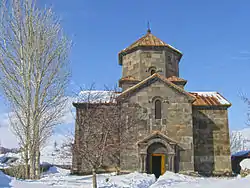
<point x="236" y="141"/>
<point x="247" y="101"/>
<point x="126" y="120"/>
<point x="93" y="124"/>
<point x="104" y="127"/>
<point x="33" y="74"/>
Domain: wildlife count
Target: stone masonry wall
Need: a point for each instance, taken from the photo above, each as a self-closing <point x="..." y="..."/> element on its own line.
<point x="211" y="140"/>
<point x="80" y="165"/>
<point x="176" y="122"/>
<point x="140" y="63"/>
<point x="152" y="60"/>
<point x="131" y="65"/>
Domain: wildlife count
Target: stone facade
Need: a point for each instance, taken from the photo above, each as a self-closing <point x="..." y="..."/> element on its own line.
<point x="191" y="131"/>
<point x="140" y="63"/>
<point x="176" y="121"/>
<point x="211" y="139"/>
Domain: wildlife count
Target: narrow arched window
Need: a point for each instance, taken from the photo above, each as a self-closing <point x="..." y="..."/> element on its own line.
<point x="152" y="71"/>
<point x="157" y="109"/>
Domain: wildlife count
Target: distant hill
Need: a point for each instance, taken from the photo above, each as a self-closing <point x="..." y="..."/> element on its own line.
<point x="4" y="150"/>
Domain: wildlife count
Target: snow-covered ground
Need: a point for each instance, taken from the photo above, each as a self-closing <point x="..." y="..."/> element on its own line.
<point x="171" y="180"/>
<point x="54" y="154"/>
<point x="57" y="177"/>
<point x="51" y="153"/>
<point x="245" y="164"/>
<point x="7" y="159"/>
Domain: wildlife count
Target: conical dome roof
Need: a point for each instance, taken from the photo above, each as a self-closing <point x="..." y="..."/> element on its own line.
<point x="148" y="40"/>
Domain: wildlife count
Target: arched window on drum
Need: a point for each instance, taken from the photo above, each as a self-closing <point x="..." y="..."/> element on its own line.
<point x="158" y="107"/>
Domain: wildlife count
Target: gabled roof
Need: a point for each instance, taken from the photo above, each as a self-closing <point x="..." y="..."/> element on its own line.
<point x="148" y="40"/>
<point x="209" y="99"/>
<point x="155" y="76"/>
<point x="129" y="79"/>
<point x="176" y="79"/>
<point x="157" y="134"/>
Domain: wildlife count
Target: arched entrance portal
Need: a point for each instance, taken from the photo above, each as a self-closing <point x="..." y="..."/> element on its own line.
<point x="157" y="159"/>
<point x="157" y="153"/>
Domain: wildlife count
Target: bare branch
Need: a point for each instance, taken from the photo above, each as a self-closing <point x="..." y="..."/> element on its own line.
<point x="34" y="72"/>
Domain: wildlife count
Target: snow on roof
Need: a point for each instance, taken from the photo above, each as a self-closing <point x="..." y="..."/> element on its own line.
<point x="209" y="98"/>
<point x="96" y="96"/>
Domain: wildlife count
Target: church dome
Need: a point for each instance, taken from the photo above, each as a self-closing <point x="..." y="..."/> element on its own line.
<point x="148" y="40"/>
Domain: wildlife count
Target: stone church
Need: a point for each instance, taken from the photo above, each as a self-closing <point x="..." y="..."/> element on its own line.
<point x="184" y="131"/>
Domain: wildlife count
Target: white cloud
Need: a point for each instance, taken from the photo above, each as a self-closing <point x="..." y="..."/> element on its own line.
<point x="242" y="55"/>
<point x="7" y="137"/>
<point x="244" y="52"/>
<point x="240" y="58"/>
<point x="4" y="121"/>
<point x="69" y="116"/>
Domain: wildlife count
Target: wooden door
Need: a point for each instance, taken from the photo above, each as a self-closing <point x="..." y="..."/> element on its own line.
<point x="162" y="165"/>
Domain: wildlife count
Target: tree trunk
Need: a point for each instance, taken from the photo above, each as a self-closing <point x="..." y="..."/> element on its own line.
<point x="26" y="160"/>
<point x="37" y="165"/>
<point x="94" y="178"/>
<point x="118" y="171"/>
<point x="32" y="163"/>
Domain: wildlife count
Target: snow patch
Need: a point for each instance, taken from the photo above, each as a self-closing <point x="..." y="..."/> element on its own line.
<point x="245" y="164"/>
<point x="54" y="154"/>
<point x="57" y="177"/>
<point x="170" y="179"/>
<point x="132" y="180"/>
<point x="8" y="159"/>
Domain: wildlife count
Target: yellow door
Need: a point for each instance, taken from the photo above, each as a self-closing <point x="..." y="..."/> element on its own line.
<point x="162" y="162"/>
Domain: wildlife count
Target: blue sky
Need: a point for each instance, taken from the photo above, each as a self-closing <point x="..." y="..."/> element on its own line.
<point x="213" y="35"/>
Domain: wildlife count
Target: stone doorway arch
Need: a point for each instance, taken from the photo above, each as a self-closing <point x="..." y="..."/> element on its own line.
<point x="157" y="159"/>
<point x="157" y="144"/>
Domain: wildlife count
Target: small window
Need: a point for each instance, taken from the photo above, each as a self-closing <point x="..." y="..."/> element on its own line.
<point x="152" y="71"/>
<point x="157" y="109"/>
<point x="148" y="55"/>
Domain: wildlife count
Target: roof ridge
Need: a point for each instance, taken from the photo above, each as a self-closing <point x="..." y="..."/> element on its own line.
<point x="155" y="41"/>
<point x="209" y="98"/>
<point x="138" y="40"/>
<point x="157" y="133"/>
<point x="176" y="79"/>
<point x="203" y="92"/>
<point x="163" y="79"/>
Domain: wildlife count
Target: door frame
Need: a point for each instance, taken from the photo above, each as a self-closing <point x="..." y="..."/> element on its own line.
<point x="162" y="161"/>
